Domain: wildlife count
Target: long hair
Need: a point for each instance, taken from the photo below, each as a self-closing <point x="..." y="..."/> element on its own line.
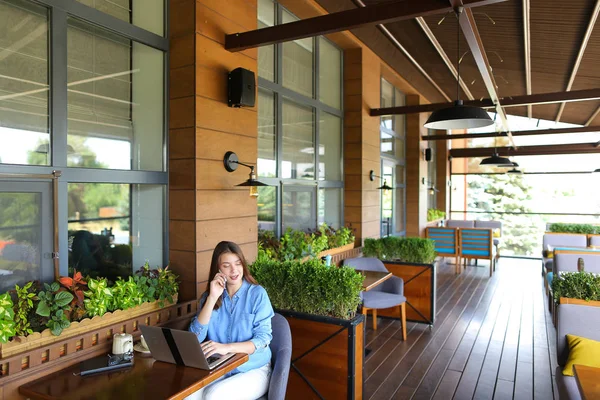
<point x="225" y="247"/>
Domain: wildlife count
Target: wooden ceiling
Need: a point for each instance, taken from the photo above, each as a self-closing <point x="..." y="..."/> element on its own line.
<point x="557" y="30"/>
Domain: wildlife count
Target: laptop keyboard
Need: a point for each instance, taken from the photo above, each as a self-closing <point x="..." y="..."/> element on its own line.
<point x="212" y="359"/>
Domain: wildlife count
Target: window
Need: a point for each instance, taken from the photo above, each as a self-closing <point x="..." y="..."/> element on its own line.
<point x="299" y="129"/>
<point x="105" y="131"/>
<point x="392" y="130"/>
<point x="432" y="177"/>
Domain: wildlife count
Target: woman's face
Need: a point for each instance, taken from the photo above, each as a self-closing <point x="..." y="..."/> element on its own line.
<point x="231" y="266"/>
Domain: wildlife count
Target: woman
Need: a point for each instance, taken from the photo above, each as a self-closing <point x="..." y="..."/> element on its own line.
<point x="235" y="317"/>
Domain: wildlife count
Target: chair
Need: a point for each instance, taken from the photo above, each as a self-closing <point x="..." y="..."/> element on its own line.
<point x="492" y="225"/>
<point x="446" y="242"/>
<point x="459" y="223"/>
<point x="477" y="243"/>
<point x="594" y="240"/>
<point x="578" y="320"/>
<point x="281" y="349"/>
<point x="390" y="293"/>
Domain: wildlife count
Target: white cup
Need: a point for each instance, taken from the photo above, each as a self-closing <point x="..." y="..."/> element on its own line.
<point x="143" y="342"/>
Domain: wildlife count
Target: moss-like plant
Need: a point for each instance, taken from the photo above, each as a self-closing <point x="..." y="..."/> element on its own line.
<point x="393" y="248"/>
<point x="310" y="287"/>
<point x="7" y="325"/>
<point x="576" y="285"/>
<point x="434" y="214"/>
<point x="574" y="228"/>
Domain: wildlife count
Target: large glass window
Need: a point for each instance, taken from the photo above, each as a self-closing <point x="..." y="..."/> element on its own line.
<point x="299" y="129"/>
<point x="147" y="14"/>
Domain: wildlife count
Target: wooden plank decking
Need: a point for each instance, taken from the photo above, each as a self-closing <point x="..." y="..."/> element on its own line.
<point x="493" y="339"/>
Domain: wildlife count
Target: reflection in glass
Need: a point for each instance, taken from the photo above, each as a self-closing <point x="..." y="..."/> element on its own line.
<point x="330" y="206"/>
<point x="399" y="120"/>
<point x="387" y="143"/>
<point x="298" y="62"/>
<point x="330" y="71"/>
<point x="387" y="201"/>
<point x="267" y="162"/>
<point x="387" y="100"/>
<point x="20" y="238"/>
<point x="299" y="207"/>
<point x="330" y="147"/>
<point x="267" y="196"/>
<point x="298" y="142"/>
<point x="24" y="131"/>
<point x="400" y="210"/>
<point x="114" y="228"/>
<point x="147" y="14"/>
<point x="115" y="101"/>
<point x="266" y="54"/>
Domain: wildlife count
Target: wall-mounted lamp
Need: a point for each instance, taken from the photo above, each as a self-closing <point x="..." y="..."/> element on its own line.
<point x="231" y="163"/>
<point x="431" y="186"/>
<point x="385" y="186"/>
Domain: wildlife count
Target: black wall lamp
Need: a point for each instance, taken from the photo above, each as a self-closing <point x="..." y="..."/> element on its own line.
<point x="231" y="163"/>
<point x="385" y="186"/>
<point x="431" y="187"/>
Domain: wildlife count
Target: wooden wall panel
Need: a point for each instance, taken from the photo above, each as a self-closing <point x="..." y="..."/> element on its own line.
<point x="218" y="116"/>
<point x="239" y="230"/>
<point x="181" y="112"/>
<point x="181" y="52"/>
<point x="181" y="205"/>
<point x="219" y="204"/>
<point x="179" y="81"/>
<point x="212" y="82"/>
<point x="243" y="12"/>
<point x="181" y="18"/>
<point x="211" y="175"/>
<point x="213" y="55"/>
<point x="212" y="145"/>
<point x="181" y="143"/>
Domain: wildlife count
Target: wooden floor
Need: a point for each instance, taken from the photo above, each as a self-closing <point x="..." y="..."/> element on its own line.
<point x="493" y="338"/>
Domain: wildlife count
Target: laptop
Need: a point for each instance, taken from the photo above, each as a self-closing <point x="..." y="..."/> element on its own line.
<point x="179" y="347"/>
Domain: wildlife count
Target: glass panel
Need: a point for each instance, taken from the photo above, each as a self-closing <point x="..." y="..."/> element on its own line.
<point x="399" y="175"/>
<point x="399" y="120"/>
<point x="387" y="201"/>
<point x="330" y="147"/>
<point x="387" y="143"/>
<point x="147" y="14"/>
<point x="298" y="142"/>
<point x="267" y="161"/>
<point x="266" y="54"/>
<point x="298" y="62"/>
<point x="24" y="130"/>
<point x="114" y="228"/>
<point x="330" y="71"/>
<point x="330" y="205"/>
<point x="400" y="211"/>
<point x="267" y="207"/>
<point x="387" y="100"/>
<point x="20" y="238"/>
<point x="115" y="101"/>
<point x="299" y="207"/>
<point x="400" y="148"/>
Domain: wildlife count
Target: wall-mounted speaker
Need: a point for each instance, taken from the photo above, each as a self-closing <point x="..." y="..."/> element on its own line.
<point x="241" y="88"/>
<point x="428" y="155"/>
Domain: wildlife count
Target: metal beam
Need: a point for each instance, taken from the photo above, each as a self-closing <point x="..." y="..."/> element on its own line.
<point x="443" y="55"/>
<point x="527" y="48"/>
<point x="554" y="149"/>
<point x="514" y="101"/>
<point x="534" y="132"/>
<point x="341" y="21"/>
<point x="586" y="38"/>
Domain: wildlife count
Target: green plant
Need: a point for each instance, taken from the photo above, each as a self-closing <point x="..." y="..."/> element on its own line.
<point x="146" y="289"/>
<point x="294" y="245"/>
<point x="25" y="297"/>
<point x="7" y="325"/>
<point x="54" y="305"/>
<point x="76" y="286"/>
<point x="164" y="282"/>
<point x="310" y="287"/>
<point x="434" y="214"/>
<point x="574" y="228"/>
<point x="576" y="285"/>
<point x="126" y="294"/>
<point x="410" y="250"/>
<point x="98" y="298"/>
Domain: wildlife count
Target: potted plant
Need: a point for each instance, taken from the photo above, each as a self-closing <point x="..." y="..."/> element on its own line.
<point x="413" y="260"/>
<point x="320" y="305"/>
<point x="7" y="325"/>
<point x="435" y="216"/>
<point x="576" y="288"/>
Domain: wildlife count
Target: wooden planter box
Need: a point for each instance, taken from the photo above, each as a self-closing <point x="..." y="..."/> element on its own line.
<point x="22" y="344"/>
<point x="419" y="290"/>
<point x="336" y="250"/>
<point x="581" y="302"/>
<point x="327" y="357"/>
<point x="435" y="222"/>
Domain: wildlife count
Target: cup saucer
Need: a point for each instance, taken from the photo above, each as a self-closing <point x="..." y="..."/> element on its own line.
<point x="141" y="349"/>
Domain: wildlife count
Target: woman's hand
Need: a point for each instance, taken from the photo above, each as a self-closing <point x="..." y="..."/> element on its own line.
<point x="209" y="348"/>
<point x="217" y="286"/>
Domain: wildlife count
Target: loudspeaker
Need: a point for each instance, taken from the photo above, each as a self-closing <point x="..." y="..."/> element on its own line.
<point x="241" y="88"/>
<point x="428" y="155"/>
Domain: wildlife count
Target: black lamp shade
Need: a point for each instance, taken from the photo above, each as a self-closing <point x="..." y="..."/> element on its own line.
<point x="496" y="160"/>
<point x="458" y="116"/>
<point x="252" y="182"/>
<point x="385" y="186"/>
<point x="597" y="170"/>
<point x="514" y="171"/>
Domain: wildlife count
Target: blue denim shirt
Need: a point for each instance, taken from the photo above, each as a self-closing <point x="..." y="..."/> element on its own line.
<point x="245" y="316"/>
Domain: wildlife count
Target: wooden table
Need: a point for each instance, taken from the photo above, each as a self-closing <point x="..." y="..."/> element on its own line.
<point x="373" y="278"/>
<point x="147" y="379"/>
<point x="588" y="381"/>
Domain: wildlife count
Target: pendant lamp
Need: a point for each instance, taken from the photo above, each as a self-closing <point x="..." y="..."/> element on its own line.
<point x="231" y="162"/>
<point x="597" y="170"/>
<point x="385" y="186"/>
<point x="514" y="171"/>
<point x="458" y="116"/>
<point x="496" y="160"/>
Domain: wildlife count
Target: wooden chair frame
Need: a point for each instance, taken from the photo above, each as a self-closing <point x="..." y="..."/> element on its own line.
<point x="489" y="247"/>
<point x="402" y="307"/>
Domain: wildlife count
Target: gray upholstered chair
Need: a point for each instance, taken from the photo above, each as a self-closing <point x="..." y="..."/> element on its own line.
<point x="576" y="320"/>
<point x="459" y="223"/>
<point x="390" y="293"/>
<point x="594" y="240"/>
<point x="281" y="349"/>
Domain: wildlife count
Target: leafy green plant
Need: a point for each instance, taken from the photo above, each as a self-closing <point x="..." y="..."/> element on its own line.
<point x="393" y="248"/>
<point x="54" y="305"/>
<point x="576" y="285"/>
<point x="98" y="298"/>
<point x="25" y="297"/>
<point x="574" y="228"/>
<point x="76" y="286"/>
<point x="310" y="287"/>
<point x="126" y="294"/>
<point x="146" y="289"/>
<point x="7" y="325"/>
<point x="294" y="244"/>
<point x="164" y="282"/>
<point x="435" y="214"/>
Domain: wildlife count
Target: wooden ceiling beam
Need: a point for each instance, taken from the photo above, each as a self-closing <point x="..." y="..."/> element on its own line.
<point x="553" y="149"/>
<point x="341" y="21"/>
<point x="527" y="48"/>
<point x="593" y="116"/>
<point x="584" y="43"/>
<point x="533" y="132"/>
<point x="514" y="101"/>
